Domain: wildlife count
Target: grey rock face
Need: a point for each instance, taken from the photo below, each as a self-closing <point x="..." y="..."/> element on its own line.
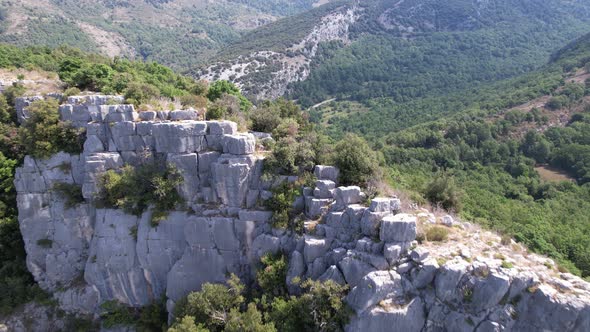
<point x="222" y="128"/>
<point x="354" y="270"/>
<point x="324" y="189"/>
<point x="113" y="266"/>
<point x="296" y="269"/>
<point x="448" y="278"/>
<point x="409" y="317"/>
<point x="371" y="222"/>
<point x="424" y="275"/>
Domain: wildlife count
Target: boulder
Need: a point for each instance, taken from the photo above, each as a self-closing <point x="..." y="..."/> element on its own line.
<point x="373" y="288"/>
<point x="489" y="292"/>
<point x="332" y="273"/>
<point x="239" y="144"/>
<point x="380" y="204"/>
<point x="324" y="189"/>
<point x="347" y="195"/>
<point x="398" y="228"/>
<point x="371" y="222"/>
<point x="419" y="255"/>
<point x="447" y="279"/>
<point x="326" y="173"/>
<point x="183" y="115"/>
<point x="424" y="274"/>
<point x="448" y="221"/>
<point x="222" y="128"/>
<point x="315" y="207"/>
<point x="314" y="248"/>
<point x="147" y="115"/>
<point x="393" y="251"/>
<point x="354" y="270"/>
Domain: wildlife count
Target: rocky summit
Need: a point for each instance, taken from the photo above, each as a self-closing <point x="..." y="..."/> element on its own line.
<point x="87" y="254"/>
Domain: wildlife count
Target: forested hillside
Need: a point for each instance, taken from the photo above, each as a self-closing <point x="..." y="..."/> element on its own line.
<point x="514" y="156"/>
<point x="408" y="50"/>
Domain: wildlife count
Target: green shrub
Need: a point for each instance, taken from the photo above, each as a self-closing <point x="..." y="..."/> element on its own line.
<point x="326" y="302"/>
<point x="71" y="92"/>
<point x="250" y="320"/>
<point x="272" y="275"/>
<point x="193" y="101"/>
<point x="356" y="161"/>
<point x="215" y="112"/>
<point x="219" y="88"/>
<point x="187" y="324"/>
<point x="114" y="313"/>
<point x="148" y="318"/>
<point x="265" y="119"/>
<point x="507" y="265"/>
<point x="437" y="233"/>
<point x="281" y="204"/>
<point x="442" y="191"/>
<point x="557" y="102"/>
<point x="72" y="193"/>
<point x="140" y="93"/>
<point x="211" y="306"/>
<point x="134" y="189"/>
<point x="43" y="134"/>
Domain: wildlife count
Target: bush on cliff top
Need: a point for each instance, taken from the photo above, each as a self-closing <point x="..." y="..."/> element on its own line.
<point x="357" y="162"/>
<point x="43" y="134"/>
<point x="134" y="189"/>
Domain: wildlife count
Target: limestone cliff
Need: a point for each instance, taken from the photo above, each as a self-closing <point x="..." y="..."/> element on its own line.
<point x="87" y="255"/>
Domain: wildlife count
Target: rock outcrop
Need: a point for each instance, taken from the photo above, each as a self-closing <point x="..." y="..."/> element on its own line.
<point x="86" y="255"/>
<point x="99" y="254"/>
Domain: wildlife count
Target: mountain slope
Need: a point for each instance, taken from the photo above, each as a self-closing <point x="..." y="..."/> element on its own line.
<point x="175" y="32"/>
<point x="410" y="49"/>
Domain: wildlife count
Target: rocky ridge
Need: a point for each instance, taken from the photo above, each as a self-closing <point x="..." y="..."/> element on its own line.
<point x="87" y="255"/>
<point x="284" y="67"/>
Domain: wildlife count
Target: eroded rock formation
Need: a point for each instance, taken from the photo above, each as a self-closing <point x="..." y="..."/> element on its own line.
<point x="87" y="255"/>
